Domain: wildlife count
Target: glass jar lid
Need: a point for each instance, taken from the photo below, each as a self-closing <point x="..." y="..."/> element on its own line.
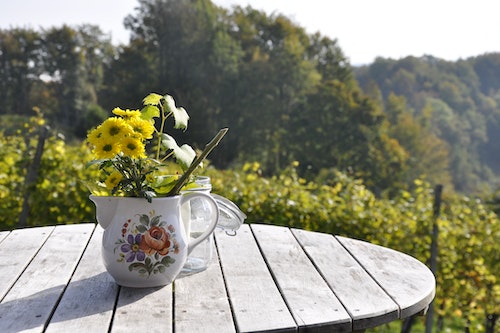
<point x="230" y="216"/>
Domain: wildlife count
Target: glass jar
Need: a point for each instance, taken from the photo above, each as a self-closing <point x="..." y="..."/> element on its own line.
<point x="230" y="219"/>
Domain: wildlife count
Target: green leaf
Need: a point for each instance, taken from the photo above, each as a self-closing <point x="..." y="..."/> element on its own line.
<point x="190" y="186"/>
<point x="96" y="188"/>
<point x="180" y="115"/>
<point x="144" y="219"/>
<point x="184" y="155"/>
<point x="148" y="262"/>
<point x="136" y="266"/>
<point x="164" y="184"/>
<point x="149" y="112"/>
<point x="166" y="261"/>
<point x="152" y="99"/>
<point x="141" y="228"/>
<point x="155" y="221"/>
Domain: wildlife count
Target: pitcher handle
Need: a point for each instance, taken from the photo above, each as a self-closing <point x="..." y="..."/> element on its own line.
<point x="214" y="216"/>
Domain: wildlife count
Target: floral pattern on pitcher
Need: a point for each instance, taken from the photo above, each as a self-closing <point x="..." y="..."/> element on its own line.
<point x="148" y="244"/>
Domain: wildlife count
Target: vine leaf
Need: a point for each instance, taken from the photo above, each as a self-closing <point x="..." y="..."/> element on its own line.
<point x="149" y="112"/>
<point x="180" y="115"/>
<point x="152" y="99"/>
<point x="184" y="155"/>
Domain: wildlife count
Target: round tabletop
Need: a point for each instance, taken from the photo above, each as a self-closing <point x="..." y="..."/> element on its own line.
<point x="266" y="278"/>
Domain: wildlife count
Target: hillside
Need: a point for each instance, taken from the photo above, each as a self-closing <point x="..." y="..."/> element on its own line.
<point x="459" y="102"/>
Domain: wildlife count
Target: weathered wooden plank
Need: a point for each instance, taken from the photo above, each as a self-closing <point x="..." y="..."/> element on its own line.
<point x="3" y="235"/>
<point x="366" y="302"/>
<point x="409" y="282"/>
<point x="256" y="301"/>
<point x="201" y="302"/>
<point x="311" y="301"/>
<point x="144" y="310"/>
<point x="16" y="252"/>
<point x="30" y="302"/>
<point x="89" y="300"/>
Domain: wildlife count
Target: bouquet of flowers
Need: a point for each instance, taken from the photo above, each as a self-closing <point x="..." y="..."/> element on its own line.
<point x="124" y="145"/>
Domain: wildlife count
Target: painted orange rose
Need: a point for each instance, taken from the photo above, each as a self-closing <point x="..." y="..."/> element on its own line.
<point x="156" y="239"/>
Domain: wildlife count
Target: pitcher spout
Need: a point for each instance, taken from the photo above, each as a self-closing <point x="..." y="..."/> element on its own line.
<point x="105" y="209"/>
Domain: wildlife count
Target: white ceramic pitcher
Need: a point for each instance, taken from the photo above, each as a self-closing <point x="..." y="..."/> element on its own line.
<point x="145" y="244"/>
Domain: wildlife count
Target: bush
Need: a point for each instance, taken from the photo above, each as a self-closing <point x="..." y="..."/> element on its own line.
<point x="58" y="195"/>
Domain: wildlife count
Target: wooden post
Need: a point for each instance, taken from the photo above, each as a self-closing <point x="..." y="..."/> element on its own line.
<point x="438" y="190"/>
<point x="31" y="176"/>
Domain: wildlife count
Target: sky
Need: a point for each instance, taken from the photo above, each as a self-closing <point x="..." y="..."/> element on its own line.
<point x="364" y="29"/>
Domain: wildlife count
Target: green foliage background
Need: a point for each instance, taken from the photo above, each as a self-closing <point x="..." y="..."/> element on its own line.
<point x="469" y="253"/>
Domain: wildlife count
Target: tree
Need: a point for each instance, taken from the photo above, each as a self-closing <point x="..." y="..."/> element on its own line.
<point x="19" y="69"/>
<point x="192" y="56"/>
<point x="428" y="155"/>
<point x="487" y="68"/>
<point x="74" y="61"/>
<point x="132" y="73"/>
<point x="330" y="61"/>
<point x="276" y="75"/>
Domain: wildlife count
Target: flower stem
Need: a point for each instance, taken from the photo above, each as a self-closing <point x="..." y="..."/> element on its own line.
<point x="163" y="118"/>
<point x="208" y="148"/>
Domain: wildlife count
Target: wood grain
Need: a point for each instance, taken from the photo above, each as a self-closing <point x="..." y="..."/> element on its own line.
<point x="404" y="278"/>
<point x="16" y="251"/>
<point x="366" y="302"/>
<point x="311" y="301"/>
<point x="201" y="302"/>
<point x="3" y="235"/>
<point x="255" y="299"/>
<point x="89" y="300"/>
<point x="144" y="310"/>
<point x="29" y="304"/>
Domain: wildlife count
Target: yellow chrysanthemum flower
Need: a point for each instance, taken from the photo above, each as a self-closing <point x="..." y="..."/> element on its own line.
<point x="106" y="148"/>
<point x="143" y="128"/>
<point x="115" y="128"/>
<point x="127" y="114"/>
<point x="94" y="136"/>
<point x="133" y="147"/>
<point x="113" y="180"/>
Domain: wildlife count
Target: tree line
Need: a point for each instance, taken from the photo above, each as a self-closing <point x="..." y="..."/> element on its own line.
<point x="286" y="95"/>
<point x="456" y="102"/>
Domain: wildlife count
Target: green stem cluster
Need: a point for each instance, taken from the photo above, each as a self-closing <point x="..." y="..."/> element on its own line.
<point x="133" y="171"/>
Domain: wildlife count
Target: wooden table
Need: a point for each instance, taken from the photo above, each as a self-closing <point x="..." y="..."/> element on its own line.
<point x="266" y="278"/>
